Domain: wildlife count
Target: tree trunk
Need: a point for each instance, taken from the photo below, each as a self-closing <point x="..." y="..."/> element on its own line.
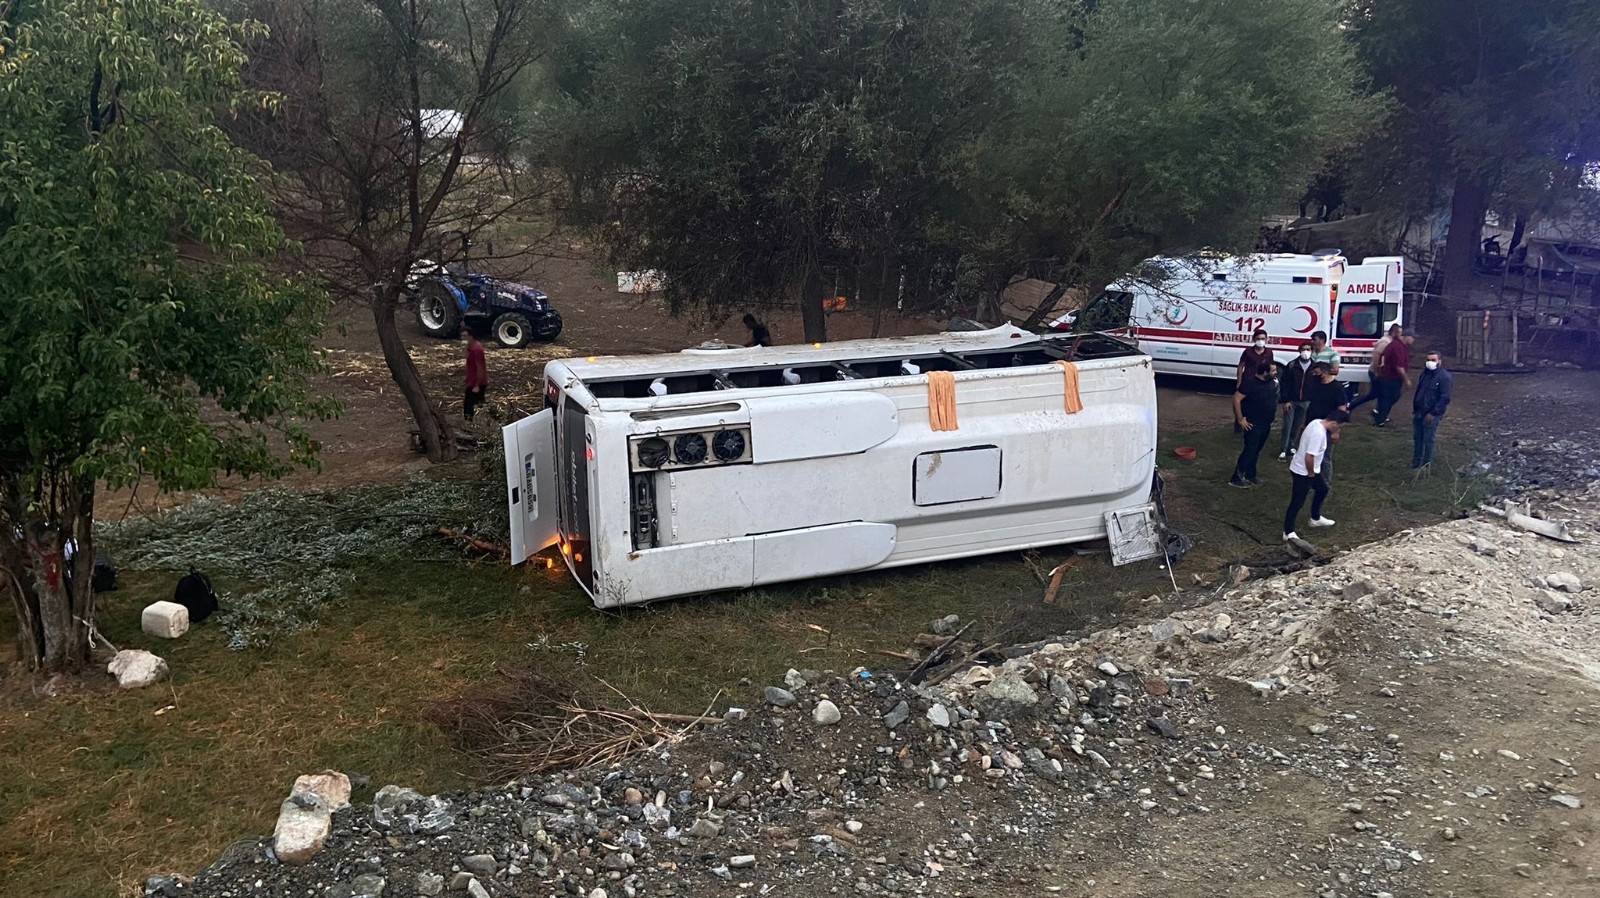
<point x="51" y="595"/>
<point x="1518" y="230"/>
<point x="812" y="315"/>
<point x="1468" y="202"/>
<point x="438" y="440"/>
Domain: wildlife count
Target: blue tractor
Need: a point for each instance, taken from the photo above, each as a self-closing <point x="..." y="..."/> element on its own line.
<point x="514" y="315"/>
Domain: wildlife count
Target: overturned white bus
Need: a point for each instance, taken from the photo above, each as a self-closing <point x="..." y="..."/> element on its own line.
<point x="708" y="470"/>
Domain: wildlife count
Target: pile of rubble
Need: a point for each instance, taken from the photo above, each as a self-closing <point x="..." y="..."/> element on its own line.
<point x="863" y="783"/>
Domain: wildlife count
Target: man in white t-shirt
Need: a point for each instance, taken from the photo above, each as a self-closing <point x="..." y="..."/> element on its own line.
<point x="1309" y="470"/>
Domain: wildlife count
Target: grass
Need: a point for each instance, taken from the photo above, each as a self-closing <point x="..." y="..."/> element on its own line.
<point x="100" y="787"/>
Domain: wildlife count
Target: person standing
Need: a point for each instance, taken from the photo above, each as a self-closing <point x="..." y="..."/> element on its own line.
<point x="759" y="334"/>
<point x="1252" y="357"/>
<point x="1372" y="368"/>
<point x="1394" y="375"/>
<point x="1322" y="352"/>
<point x="1255" y="404"/>
<point x="477" y="377"/>
<point x="1292" y="384"/>
<point x="1326" y="397"/>
<point x="1428" y="405"/>
<point x="1310" y="472"/>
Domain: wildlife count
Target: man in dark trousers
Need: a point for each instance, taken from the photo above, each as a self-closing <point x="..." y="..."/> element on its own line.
<point x="759" y="335"/>
<point x="1428" y="405"/>
<point x="1255" y="404"/>
<point x="1326" y="397"/>
<point x="1390" y="373"/>
<point x="1309" y="469"/>
<point x="1292" y="384"/>
<point x="477" y="377"/>
<point x="1252" y="357"/>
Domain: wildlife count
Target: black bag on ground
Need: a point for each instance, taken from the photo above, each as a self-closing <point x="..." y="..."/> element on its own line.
<point x="194" y="592"/>
<point x="104" y="578"/>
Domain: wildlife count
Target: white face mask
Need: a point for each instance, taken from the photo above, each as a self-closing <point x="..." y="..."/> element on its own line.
<point x="1432" y="365"/>
<point x="1261" y="344"/>
<point x="1305" y="355"/>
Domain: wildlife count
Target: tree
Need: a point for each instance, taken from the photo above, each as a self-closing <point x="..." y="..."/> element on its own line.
<point x="146" y="335"/>
<point x="758" y="150"/>
<point x="1162" y="128"/>
<point x="401" y="138"/>
<point x="1497" y="105"/>
<point x="759" y="147"/>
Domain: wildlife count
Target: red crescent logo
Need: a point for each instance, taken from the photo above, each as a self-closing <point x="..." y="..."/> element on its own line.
<point x="1311" y="312"/>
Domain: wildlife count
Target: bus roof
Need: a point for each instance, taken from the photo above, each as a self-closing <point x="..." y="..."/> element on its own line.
<point x="704" y="370"/>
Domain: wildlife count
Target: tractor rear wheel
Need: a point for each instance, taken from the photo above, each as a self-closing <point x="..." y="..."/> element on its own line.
<point x="512" y="330"/>
<point x="438" y="314"/>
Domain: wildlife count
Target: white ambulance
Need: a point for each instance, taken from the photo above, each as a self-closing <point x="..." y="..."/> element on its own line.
<point x="1196" y="315"/>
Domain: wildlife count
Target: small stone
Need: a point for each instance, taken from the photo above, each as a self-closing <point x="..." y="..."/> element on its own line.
<point x="429" y="884"/>
<point x="1178" y="687"/>
<point x="897" y="716"/>
<point x="1509" y="755"/>
<point x="1386" y="692"/>
<point x="733" y="715"/>
<point x="1356" y="590"/>
<point x="1563" y="581"/>
<point x="1318" y="729"/>
<point x="1567" y="801"/>
<point x="1552" y="602"/>
<point x="704" y="829"/>
<point x="1147" y="805"/>
<point x="1162" y="727"/>
<point x="945" y="626"/>
<point x="939" y="716"/>
<point x="852" y="826"/>
<point x="136" y="668"/>
<point x="1166" y="629"/>
<point x="305" y="818"/>
<point x="741" y="861"/>
<point x="632" y="796"/>
<point x="1354" y="807"/>
<point x="483" y="865"/>
<point x="1449" y="834"/>
<point x="826" y="713"/>
<point x="781" y="698"/>
<point x="1107" y="668"/>
<point x="1007" y="695"/>
<point x="1392" y="739"/>
<point x="368" y="885"/>
<point x="475" y="889"/>
<point x="597" y="892"/>
<point x="793" y="679"/>
<point x="460" y="881"/>
<point x="617" y="861"/>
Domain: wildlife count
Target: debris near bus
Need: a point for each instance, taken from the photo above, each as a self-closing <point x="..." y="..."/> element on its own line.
<point x="1240" y="715"/>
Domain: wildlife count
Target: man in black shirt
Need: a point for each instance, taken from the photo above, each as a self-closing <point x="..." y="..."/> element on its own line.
<point x="759" y="335"/>
<point x="1326" y="395"/>
<point x="1255" y="404"/>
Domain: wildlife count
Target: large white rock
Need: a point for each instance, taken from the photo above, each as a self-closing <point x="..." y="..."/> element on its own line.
<point x="167" y="620"/>
<point x="306" y="817"/>
<point x="136" y="668"/>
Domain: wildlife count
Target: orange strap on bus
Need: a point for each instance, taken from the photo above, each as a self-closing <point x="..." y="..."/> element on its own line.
<point x="941" y="400"/>
<point x="1069" y="376"/>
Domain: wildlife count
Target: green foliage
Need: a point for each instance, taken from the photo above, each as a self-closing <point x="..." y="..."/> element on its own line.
<point x="289" y="553"/>
<point x="1503" y="98"/>
<point x="146" y="335"/>
<point x="752" y="145"/>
